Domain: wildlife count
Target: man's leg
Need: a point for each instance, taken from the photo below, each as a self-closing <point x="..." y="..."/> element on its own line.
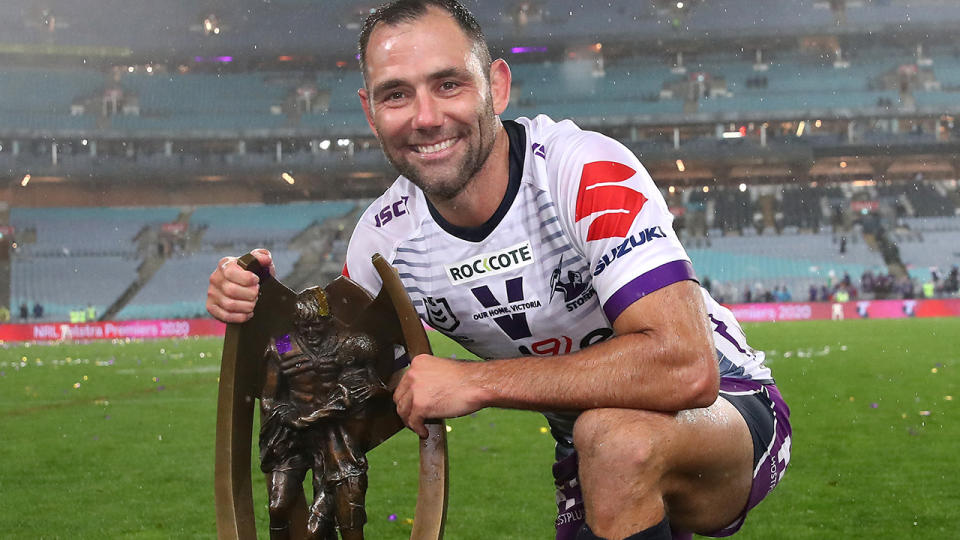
<point x="638" y="467"/>
<point x="351" y="512"/>
<point x="284" y="488"/>
<point x="320" y="519"/>
<point x="346" y="476"/>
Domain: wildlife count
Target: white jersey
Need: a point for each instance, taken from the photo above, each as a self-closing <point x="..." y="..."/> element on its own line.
<point x="581" y="234"/>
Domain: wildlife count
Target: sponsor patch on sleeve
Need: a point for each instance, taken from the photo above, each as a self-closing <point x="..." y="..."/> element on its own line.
<point x="617" y="205"/>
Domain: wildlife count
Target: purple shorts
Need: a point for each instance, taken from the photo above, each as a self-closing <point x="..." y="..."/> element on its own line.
<point x="768" y="418"/>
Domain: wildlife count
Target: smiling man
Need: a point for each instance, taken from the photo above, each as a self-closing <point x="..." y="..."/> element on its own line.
<point x="438" y="125"/>
<point x="666" y="421"/>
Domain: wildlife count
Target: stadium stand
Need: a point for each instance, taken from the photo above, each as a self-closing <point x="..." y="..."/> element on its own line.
<point x="798" y="261"/>
<point x="67" y="248"/>
<point x="179" y="287"/>
<point x="86" y="231"/>
<point x="934" y="251"/>
<point x="626" y="87"/>
<point x="733" y="210"/>
<point x="62" y="284"/>
<point x="929" y="244"/>
<point x="802" y="207"/>
<point x="45" y="90"/>
<point x="205" y="93"/>
<point x="244" y="227"/>
<point x="147" y="26"/>
<point x="927" y="201"/>
<point x="710" y="97"/>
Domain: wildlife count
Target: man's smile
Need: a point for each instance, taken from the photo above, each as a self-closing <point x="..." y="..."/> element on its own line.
<point x="427" y="149"/>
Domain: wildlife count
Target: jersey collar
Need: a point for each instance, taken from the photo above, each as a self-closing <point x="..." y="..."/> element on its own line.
<point x="518" y="146"/>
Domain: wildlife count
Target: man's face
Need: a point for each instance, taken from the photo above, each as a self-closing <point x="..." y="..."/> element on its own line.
<point x="428" y="100"/>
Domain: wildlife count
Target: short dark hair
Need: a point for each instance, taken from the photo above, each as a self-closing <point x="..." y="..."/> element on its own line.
<point x="401" y="11"/>
<point x="311" y="306"/>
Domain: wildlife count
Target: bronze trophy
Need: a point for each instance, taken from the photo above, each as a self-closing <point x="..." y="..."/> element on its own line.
<point x="321" y="362"/>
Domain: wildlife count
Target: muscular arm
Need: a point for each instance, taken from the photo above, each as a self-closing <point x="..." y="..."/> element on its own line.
<point x="662" y="358"/>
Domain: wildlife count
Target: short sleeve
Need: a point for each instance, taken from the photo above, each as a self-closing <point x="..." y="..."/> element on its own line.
<point x="619" y="220"/>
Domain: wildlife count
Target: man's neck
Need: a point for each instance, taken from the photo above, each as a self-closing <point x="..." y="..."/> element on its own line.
<point x="481" y="197"/>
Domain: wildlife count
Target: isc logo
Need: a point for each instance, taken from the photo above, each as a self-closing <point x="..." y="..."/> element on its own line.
<point x="391" y="211"/>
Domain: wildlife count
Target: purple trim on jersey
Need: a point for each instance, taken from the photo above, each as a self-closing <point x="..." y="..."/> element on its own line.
<point x="767" y="473"/>
<point x="640" y="286"/>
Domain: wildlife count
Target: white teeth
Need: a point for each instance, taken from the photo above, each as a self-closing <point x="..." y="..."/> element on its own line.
<point x="435" y="147"/>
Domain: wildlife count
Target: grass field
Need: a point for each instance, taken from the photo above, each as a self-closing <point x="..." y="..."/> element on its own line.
<point x="115" y="440"/>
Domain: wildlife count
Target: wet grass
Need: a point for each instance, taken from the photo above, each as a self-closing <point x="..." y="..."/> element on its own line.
<point x="875" y="418"/>
<point x="115" y="440"/>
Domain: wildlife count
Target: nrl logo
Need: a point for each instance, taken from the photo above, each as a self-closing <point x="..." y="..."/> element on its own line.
<point x="439" y="314"/>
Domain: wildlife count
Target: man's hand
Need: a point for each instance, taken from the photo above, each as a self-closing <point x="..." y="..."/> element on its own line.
<point x="437" y="388"/>
<point x="233" y="291"/>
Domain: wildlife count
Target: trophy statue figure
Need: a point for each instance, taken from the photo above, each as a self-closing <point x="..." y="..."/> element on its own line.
<point x="319" y="379"/>
<point x="322" y="364"/>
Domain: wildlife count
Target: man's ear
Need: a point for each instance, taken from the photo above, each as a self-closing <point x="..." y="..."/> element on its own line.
<point x="365" y="103"/>
<point x="500" y="80"/>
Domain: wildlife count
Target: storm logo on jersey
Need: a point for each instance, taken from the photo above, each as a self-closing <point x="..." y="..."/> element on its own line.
<point x="575" y="291"/>
<point x="572" y="288"/>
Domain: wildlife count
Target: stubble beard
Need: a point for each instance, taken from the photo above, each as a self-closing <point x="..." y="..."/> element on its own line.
<point x="445" y="187"/>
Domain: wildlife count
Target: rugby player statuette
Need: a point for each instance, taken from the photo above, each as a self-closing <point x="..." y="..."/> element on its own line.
<point x="322" y="364"/>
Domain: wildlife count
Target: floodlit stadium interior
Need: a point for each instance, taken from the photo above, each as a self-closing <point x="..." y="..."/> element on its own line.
<point x="800" y="144"/>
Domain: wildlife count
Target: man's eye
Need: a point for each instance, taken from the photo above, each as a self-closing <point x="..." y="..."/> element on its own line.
<point x="448" y="85"/>
<point x="394" y="96"/>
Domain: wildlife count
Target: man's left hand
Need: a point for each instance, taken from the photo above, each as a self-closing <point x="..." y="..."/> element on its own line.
<point x="437" y="388"/>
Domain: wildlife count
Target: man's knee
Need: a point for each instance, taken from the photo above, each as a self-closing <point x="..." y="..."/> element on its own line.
<point x="278" y="508"/>
<point x="617" y="439"/>
<point x="351" y="492"/>
<point x="283" y="495"/>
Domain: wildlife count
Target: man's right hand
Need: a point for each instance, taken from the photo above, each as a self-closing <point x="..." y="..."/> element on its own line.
<point x="233" y="291"/>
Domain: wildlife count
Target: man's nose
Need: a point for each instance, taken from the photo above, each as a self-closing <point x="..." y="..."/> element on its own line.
<point x="427" y="114"/>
